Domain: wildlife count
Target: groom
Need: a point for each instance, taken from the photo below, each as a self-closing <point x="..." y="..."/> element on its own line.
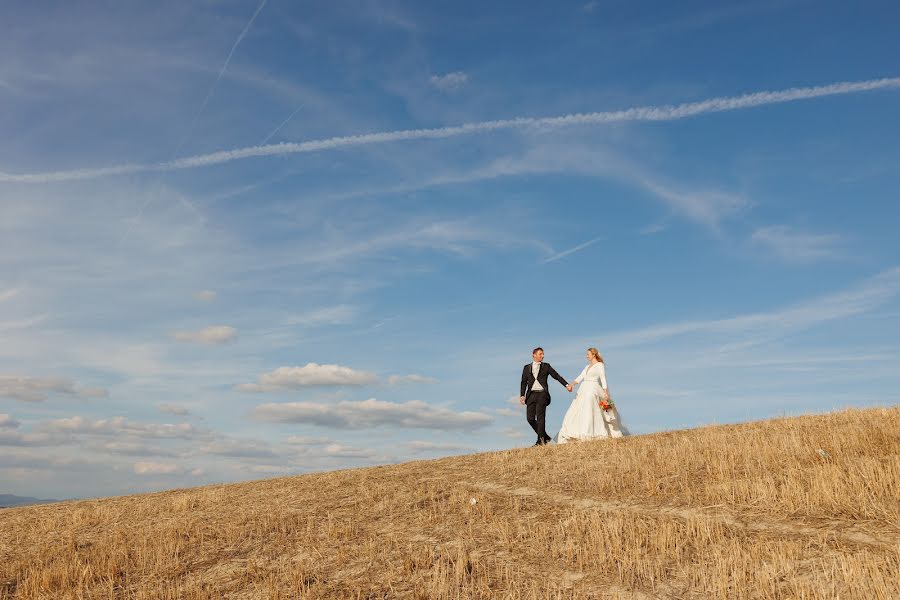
<point x="537" y="397"/>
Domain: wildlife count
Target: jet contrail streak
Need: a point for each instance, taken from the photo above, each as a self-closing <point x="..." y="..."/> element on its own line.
<point x="573" y="250"/>
<point x="199" y="112"/>
<point x="283" y="123"/>
<point x="215" y="83"/>
<point x="642" y="113"/>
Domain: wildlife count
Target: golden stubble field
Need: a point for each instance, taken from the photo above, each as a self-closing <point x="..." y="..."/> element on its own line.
<point x="805" y="507"/>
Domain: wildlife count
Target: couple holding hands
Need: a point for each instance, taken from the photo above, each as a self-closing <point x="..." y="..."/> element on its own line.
<point x="592" y="413"/>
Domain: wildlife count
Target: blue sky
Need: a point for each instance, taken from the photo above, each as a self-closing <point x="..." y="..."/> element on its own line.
<point x="242" y="240"/>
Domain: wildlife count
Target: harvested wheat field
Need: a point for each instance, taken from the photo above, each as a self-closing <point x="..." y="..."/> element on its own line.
<point x="805" y="507"/>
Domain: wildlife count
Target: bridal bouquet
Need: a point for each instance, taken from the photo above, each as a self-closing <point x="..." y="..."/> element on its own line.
<point x="606" y="403"/>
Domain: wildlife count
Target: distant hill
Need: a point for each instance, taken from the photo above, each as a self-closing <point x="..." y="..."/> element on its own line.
<point x="10" y="501"/>
<point x="801" y="507"/>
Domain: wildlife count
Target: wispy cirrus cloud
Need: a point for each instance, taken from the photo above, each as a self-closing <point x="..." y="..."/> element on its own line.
<point x="22" y="323"/>
<point x="798" y="247"/>
<point x="859" y="299"/>
<point x="701" y="204"/>
<point x="636" y="114"/>
<point x="414" y="414"/>
<point x="205" y="295"/>
<point x="337" y="314"/>
<point x="461" y="237"/>
<point x="213" y="335"/>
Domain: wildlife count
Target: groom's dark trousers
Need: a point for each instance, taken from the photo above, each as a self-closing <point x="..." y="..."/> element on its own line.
<point x="536" y="412"/>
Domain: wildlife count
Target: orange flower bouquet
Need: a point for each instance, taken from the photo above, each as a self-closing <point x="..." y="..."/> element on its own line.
<point x="606" y="403"/>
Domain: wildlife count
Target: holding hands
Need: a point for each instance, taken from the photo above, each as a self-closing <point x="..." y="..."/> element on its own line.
<point x="569" y="387"/>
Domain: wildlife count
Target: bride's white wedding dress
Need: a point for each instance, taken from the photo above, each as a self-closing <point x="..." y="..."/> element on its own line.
<point x="585" y="419"/>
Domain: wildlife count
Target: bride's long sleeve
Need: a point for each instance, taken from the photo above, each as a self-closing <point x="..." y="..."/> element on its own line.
<point x="603" y="377"/>
<point x="580" y="378"/>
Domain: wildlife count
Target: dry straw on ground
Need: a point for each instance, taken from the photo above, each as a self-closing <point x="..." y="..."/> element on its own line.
<point x="804" y="507"/>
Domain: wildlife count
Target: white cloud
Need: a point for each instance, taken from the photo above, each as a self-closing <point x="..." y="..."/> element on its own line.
<point x="449" y="82"/>
<point x="513" y="408"/>
<point x="371" y="413"/>
<point x="707" y="206"/>
<point x="312" y="374"/>
<point x="134" y="448"/>
<point x="341" y="451"/>
<point x="9" y="294"/>
<point x="458" y="236"/>
<point x="120" y="426"/>
<point x="24" y="323"/>
<point x="652" y="229"/>
<point x="797" y="246"/>
<point x="698" y="203"/>
<point x="859" y="299"/>
<point x="509" y="412"/>
<point x="402" y="379"/>
<point x="7" y="422"/>
<point x="216" y="334"/>
<point x="514" y="401"/>
<point x="205" y="295"/>
<point x="272" y="469"/>
<point x="638" y="113"/>
<point x="155" y="468"/>
<point x="59" y="464"/>
<point x="299" y="440"/>
<point x="242" y="448"/>
<point x="173" y="409"/>
<point x="516" y="433"/>
<point x="421" y="447"/>
<point x="329" y="315"/>
<point x="37" y="389"/>
<point x="12" y="436"/>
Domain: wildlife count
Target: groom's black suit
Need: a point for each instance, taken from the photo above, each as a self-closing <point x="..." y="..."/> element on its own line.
<point x="536" y="401"/>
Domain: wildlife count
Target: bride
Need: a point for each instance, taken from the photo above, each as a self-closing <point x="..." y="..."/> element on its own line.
<point x="592" y="413"/>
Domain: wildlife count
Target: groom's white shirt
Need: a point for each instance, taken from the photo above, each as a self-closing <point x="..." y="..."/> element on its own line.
<point x="535" y="368"/>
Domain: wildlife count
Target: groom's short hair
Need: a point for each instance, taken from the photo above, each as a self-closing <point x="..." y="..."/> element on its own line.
<point x="536" y="349"/>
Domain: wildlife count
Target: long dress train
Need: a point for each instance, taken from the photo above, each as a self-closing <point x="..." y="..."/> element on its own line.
<point x="585" y="419"/>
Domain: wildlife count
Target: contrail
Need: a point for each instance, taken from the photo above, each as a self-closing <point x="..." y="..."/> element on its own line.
<point x="643" y="113"/>
<point x="283" y="123"/>
<point x="199" y="112"/>
<point x="215" y="83"/>
<point x="564" y="253"/>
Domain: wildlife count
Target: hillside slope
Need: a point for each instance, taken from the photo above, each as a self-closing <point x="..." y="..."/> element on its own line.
<point x="11" y="500"/>
<point x="795" y="507"/>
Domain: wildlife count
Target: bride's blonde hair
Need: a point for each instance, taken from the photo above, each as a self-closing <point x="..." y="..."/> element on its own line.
<point x="596" y="354"/>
